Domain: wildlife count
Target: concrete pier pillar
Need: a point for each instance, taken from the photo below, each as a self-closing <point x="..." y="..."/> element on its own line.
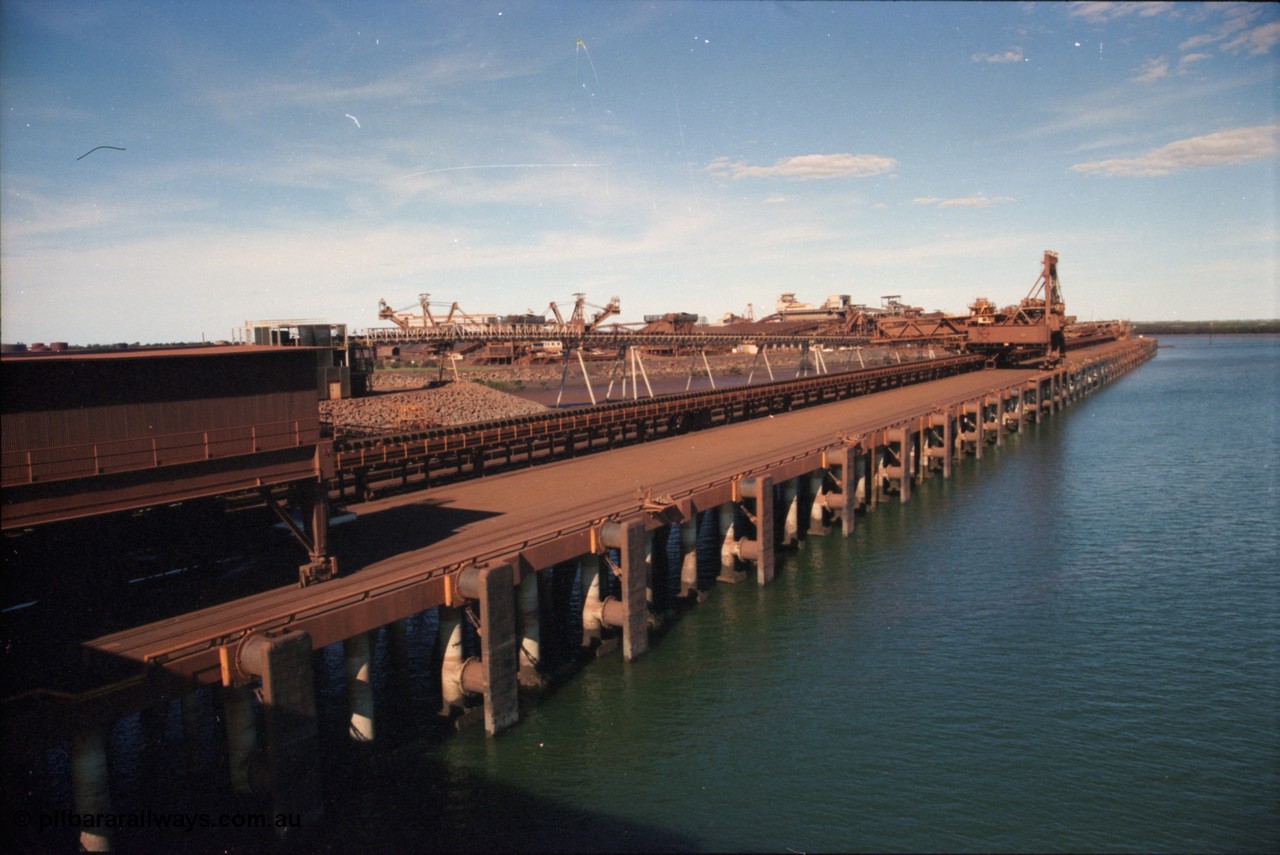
<point x="817" y="517"/>
<point x="242" y="735"/>
<point x="948" y="441"/>
<point x="874" y="460"/>
<point x="1008" y="417"/>
<point x="530" y="653"/>
<point x="90" y="785"/>
<point x="920" y="448"/>
<point x="589" y="569"/>
<point x="289" y="706"/>
<point x="631" y="613"/>
<point x="997" y="419"/>
<point x="729" y="571"/>
<point x="791" y="512"/>
<point x="497" y="676"/>
<point x="358" y="656"/>
<point x="689" y="556"/>
<point x="449" y="641"/>
<point x="860" y="460"/>
<point x="654" y="542"/>
<point x="974" y="429"/>
<point x="840" y="473"/>
<point x="849" y="461"/>
<point x="906" y="454"/>
<point x="761" y="549"/>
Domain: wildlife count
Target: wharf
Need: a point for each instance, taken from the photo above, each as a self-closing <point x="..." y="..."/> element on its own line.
<point x="475" y="551"/>
<point x="404" y="552"/>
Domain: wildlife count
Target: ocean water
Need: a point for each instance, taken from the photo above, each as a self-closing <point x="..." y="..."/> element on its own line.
<point x="1072" y="645"/>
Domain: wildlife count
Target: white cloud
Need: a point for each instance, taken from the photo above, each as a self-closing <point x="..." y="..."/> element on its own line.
<point x="1235" y="145"/>
<point x="1101" y="13"/>
<point x="1153" y="70"/>
<point x="1256" y="41"/>
<point x="962" y="201"/>
<point x="1013" y="54"/>
<point x="1193" y="58"/>
<point x="1236" y="27"/>
<point x="1125" y="106"/>
<point x="807" y="167"/>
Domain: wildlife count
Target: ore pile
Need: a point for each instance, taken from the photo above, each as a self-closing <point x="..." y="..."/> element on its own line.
<point x="384" y="381"/>
<point x="448" y="404"/>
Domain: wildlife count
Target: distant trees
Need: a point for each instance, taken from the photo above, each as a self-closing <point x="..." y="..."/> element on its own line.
<point x="1271" y="327"/>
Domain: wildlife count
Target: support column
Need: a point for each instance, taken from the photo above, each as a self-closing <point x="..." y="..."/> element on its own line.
<point x="860" y="461"/>
<point x="288" y="700"/>
<point x="242" y="734"/>
<point x="90" y="784"/>
<point x="499" y="669"/>
<point x="689" y="555"/>
<point x="589" y="568"/>
<point x="873" y="470"/>
<point x="844" y="503"/>
<point x="632" y="614"/>
<point x="760" y="550"/>
<point x="530" y="653"/>
<point x="948" y="440"/>
<point x="849" y="481"/>
<point x="994" y="420"/>
<point x="920" y="445"/>
<point x="314" y="495"/>
<point x="449" y="642"/>
<point x="973" y="410"/>
<point x="980" y="432"/>
<point x="817" y="519"/>
<point x="729" y="571"/>
<point x="357" y="654"/>
<point x="651" y="548"/>
<point x="905" y="449"/>
<point x="791" y="511"/>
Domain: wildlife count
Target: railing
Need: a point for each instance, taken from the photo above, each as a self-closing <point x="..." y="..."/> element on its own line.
<point x="88" y="459"/>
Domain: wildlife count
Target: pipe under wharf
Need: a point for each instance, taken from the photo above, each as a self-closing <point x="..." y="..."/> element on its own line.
<point x="603" y="513"/>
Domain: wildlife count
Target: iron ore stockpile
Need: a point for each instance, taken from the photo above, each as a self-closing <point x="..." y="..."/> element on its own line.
<point x="446" y="404"/>
<point x="419" y="398"/>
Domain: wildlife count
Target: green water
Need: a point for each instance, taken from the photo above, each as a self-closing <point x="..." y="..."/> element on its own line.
<point x="1072" y="645"/>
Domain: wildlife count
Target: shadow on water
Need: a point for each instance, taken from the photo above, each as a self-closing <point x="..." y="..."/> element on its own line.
<point x="397" y="795"/>
<point x="171" y="781"/>
<point x="405" y="799"/>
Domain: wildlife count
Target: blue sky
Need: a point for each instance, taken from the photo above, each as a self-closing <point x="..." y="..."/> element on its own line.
<point x="303" y="160"/>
